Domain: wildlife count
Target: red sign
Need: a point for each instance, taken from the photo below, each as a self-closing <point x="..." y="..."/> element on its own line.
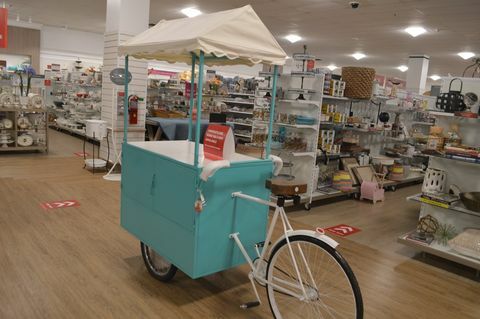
<point x="3" y="27"/>
<point x="187" y="90"/>
<point x="48" y="82"/>
<point x="342" y="230"/>
<point x="60" y="204"/>
<point x="214" y="141"/>
<point x="161" y="72"/>
<point x="81" y="154"/>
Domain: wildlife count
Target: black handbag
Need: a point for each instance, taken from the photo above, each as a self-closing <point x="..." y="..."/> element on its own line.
<point x="452" y="101"/>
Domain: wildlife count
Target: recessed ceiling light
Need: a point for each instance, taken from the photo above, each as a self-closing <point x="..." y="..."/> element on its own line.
<point x="403" y="68"/>
<point x="332" y="67"/>
<point x="466" y="55"/>
<point x="415" y="31"/>
<point x="293" y="38"/>
<point x="358" y="55"/>
<point x="435" y="77"/>
<point x="191" y="12"/>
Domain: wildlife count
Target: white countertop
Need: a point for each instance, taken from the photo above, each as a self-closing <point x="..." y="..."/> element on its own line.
<point x="183" y="151"/>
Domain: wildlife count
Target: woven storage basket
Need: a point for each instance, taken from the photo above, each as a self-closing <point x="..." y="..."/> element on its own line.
<point x="359" y="82"/>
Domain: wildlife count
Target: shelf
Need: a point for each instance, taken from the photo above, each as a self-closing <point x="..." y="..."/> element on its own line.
<point x="239" y="112"/>
<point x="362" y="130"/>
<point x="338" y="155"/>
<point x="452" y="115"/>
<point x="241" y="94"/>
<point x="42" y="110"/>
<point x="302" y="74"/>
<point x="456" y="206"/>
<point x="458" y="158"/>
<point x="301" y="154"/>
<point x="237" y="123"/>
<point x="307" y="102"/>
<point x="238" y="102"/>
<point x="332" y="123"/>
<point x="313" y="127"/>
<point x="303" y="57"/>
<point x="437" y="113"/>
<point x="317" y="195"/>
<point x="441" y="251"/>
<point x="242" y="135"/>
<point x="423" y="123"/>
<point x="340" y="98"/>
<point x="23" y="148"/>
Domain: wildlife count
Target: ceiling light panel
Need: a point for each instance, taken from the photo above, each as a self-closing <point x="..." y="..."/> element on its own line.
<point x="403" y="68"/>
<point x="332" y="67"/>
<point x="415" y="31"/>
<point x="293" y="38"/>
<point x="466" y="55"/>
<point x="191" y="12"/>
<point x="435" y="77"/>
<point x="358" y="56"/>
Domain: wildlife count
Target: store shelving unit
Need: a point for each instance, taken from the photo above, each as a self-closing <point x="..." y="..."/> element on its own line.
<point x="239" y="112"/>
<point x="466" y="175"/>
<point x="81" y="101"/>
<point x="37" y="130"/>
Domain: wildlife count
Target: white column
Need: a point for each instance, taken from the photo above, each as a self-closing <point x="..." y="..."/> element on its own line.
<point x="125" y="19"/>
<point x="417" y="73"/>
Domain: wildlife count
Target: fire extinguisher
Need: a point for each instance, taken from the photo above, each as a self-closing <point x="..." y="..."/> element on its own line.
<point x="133" y="109"/>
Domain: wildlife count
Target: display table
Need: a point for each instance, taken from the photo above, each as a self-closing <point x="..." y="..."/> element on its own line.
<point x="158" y="195"/>
<point x="174" y="129"/>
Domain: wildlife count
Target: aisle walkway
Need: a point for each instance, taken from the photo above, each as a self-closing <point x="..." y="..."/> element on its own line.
<point x="79" y="263"/>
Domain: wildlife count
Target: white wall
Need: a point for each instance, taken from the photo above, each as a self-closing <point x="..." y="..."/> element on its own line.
<point x="64" y="46"/>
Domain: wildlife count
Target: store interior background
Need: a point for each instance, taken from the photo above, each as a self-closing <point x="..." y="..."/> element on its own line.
<point x="61" y="32"/>
<point x="74" y="30"/>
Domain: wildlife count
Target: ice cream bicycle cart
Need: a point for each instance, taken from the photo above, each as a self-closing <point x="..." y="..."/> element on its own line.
<point x="203" y="216"/>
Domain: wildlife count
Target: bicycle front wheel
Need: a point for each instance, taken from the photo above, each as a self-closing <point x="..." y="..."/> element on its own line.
<point x="330" y="289"/>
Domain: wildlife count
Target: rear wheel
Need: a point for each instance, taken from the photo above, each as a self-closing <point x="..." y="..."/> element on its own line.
<point x="158" y="267"/>
<point x="331" y="288"/>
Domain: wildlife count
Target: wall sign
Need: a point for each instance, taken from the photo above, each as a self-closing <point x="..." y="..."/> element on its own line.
<point x="3" y="27"/>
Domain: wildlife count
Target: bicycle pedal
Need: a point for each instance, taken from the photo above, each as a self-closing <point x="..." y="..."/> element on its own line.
<point x="250" y="304"/>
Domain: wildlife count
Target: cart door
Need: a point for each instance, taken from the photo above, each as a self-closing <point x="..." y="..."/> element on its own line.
<point x="138" y="175"/>
<point x="174" y="192"/>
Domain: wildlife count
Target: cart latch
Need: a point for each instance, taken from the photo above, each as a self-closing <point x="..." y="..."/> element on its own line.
<point x="200" y="202"/>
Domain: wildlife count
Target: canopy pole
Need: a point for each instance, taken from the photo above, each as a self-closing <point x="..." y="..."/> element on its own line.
<point x="125" y="102"/>
<point x="192" y="93"/>
<point x="272" y="110"/>
<point x="199" y="108"/>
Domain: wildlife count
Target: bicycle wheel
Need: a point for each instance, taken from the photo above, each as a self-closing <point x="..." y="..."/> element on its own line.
<point x="331" y="287"/>
<point x="156" y="265"/>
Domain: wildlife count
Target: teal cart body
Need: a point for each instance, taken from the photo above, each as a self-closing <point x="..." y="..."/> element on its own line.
<point x="161" y="180"/>
<point x="158" y="196"/>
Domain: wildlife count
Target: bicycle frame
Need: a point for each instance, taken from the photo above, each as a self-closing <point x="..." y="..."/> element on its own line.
<point x="287" y="228"/>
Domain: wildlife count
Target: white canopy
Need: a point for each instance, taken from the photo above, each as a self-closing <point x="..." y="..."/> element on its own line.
<point x="238" y="35"/>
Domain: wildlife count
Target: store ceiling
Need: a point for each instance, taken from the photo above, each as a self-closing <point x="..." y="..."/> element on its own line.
<point x="331" y="28"/>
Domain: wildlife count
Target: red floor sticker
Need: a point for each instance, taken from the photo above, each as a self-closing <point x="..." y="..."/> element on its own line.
<point x="81" y="154"/>
<point x="342" y="230"/>
<point x="60" y="204"/>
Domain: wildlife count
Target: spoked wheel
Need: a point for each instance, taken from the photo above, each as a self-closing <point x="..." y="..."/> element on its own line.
<point x="330" y="286"/>
<point x="156" y="265"/>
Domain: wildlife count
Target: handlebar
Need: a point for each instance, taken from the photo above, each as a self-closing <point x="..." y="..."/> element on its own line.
<point x="277" y="163"/>
<point x="211" y="168"/>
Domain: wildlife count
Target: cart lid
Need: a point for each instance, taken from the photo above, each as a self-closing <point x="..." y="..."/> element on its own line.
<point x="238" y="35"/>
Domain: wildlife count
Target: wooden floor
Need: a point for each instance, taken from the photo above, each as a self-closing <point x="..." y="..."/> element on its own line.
<point x="79" y="263"/>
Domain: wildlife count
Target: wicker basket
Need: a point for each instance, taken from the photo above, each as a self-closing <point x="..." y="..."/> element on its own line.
<point x="359" y="82"/>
